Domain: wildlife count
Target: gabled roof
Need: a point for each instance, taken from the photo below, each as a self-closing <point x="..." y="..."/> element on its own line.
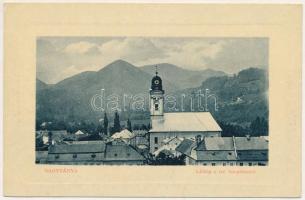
<point x="169" y="144"/>
<point x="251" y="143"/>
<point x="122" y="153"/>
<point x="171" y="140"/>
<point x="124" y="134"/>
<point x="219" y="143"/>
<point x="185" y="122"/>
<point x="79" y="132"/>
<point x="77" y="148"/>
<point x="186" y="146"/>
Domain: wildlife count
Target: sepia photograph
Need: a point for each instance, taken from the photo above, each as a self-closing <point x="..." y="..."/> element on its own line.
<point x="152" y="101"/>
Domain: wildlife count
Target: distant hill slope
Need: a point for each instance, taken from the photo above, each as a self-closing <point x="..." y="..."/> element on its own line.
<point x="240" y="98"/>
<point x="182" y="78"/>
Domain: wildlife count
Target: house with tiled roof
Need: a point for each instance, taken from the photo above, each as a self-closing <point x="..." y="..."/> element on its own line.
<point x="252" y="151"/>
<point x="225" y="151"/>
<point x="123" y="155"/>
<point x="97" y="153"/>
<point x="86" y="154"/>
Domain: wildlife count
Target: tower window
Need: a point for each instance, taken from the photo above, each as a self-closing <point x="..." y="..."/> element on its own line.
<point x="156" y="106"/>
<point x="156" y="140"/>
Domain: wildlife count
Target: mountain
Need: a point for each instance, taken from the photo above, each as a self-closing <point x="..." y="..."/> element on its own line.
<point x="182" y="78"/>
<point x="71" y="97"/>
<point x="240" y="98"/>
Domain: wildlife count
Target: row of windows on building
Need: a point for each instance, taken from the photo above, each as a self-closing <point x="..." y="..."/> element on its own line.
<point x="240" y="164"/>
<point x="57" y="156"/>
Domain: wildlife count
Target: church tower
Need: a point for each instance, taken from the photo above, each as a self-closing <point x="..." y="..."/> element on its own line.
<point x="156" y="96"/>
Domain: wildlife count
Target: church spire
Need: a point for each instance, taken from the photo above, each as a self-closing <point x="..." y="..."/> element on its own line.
<point x="156" y="82"/>
<point x="156" y="96"/>
<point x="156" y="70"/>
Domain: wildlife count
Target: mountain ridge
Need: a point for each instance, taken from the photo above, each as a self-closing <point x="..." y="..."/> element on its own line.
<point x="70" y="99"/>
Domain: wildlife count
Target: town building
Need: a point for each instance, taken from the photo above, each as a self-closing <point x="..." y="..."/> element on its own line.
<point x="184" y="125"/>
<point x="168" y="147"/>
<point x="225" y="151"/>
<point x="252" y="151"/>
<point x="94" y="153"/>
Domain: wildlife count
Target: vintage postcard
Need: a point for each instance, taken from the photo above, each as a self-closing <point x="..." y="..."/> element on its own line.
<point x="152" y="100"/>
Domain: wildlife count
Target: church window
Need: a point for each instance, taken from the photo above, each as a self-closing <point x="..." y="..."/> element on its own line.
<point x="250" y="164"/>
<point x="213" y="164"/>
<point x="74" y="155"/>
<point x="224" y="164"/>
<point x="156" y="148"/>
<point x="93" y="156"/>
<point x="156" y="140"/>
<point x="115" y="155"/>
<point x="241" y="164"/>
<point x="56" y="156"/>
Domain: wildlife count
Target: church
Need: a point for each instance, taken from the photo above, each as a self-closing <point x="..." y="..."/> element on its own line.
<point x="184" y="125"/>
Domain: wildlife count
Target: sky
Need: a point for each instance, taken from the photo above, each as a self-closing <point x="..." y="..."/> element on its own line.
<point x="62" y="57"/>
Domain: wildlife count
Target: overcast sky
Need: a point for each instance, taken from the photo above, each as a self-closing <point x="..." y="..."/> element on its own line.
<point x="62" y="57"/>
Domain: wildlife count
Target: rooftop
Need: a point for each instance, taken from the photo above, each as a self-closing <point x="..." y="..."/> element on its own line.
<point x="219" y="143"/>
<point x="185" y="146"/>
<point x="251" y="143"/>
<point x="77" y="148"/>
<point x="122" y="153"/>
<point x="185" y="122"/>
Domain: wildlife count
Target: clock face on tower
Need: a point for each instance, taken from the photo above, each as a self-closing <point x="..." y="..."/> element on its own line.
<point x="156" y="83"/>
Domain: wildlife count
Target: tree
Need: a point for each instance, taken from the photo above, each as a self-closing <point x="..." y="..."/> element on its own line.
<point x="50" y="135"/>
<point x="259" y="127"/>
<point x="39" y="142"/>
<point x="105" y="124"/>
<point x="164" y="159"/>
<point x="129" y="125"/>
<point x="99" y="128"/>
<point x="116" y="122"/>
<point x="229" y="130"/>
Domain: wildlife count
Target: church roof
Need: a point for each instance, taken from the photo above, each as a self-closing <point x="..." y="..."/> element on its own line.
<point x="185" y="122"/>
